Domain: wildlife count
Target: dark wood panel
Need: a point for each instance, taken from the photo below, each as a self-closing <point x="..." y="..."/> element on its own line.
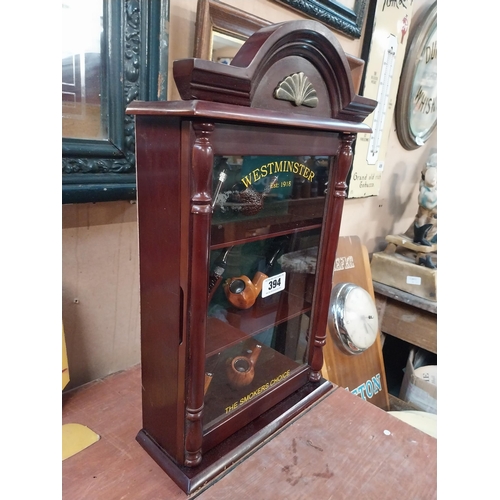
<point x="161" y="281"/>
<point x="231" y="140"/>
<point x="219" y="112"/>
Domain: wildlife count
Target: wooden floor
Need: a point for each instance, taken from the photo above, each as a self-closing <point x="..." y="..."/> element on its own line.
<point x="342" y="448"/>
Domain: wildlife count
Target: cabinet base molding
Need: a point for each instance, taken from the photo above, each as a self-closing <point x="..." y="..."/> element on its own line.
<point x="223" y="458"/>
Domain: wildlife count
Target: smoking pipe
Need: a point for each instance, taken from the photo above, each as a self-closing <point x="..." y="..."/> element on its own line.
<point x="241" y="369"/>
<point x="250" y="201"/>
<point x="222" y="178"/>
<point x="242" y="292"/>
<point x="209" y="373"/>
<point x="216" y="276"/>
<point x="208" y="380"/>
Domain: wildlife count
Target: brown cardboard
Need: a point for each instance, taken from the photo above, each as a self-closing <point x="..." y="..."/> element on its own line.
<point x="419" y="386"/>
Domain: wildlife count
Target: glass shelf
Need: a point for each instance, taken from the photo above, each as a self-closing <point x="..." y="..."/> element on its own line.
<point x="230" y="390"/>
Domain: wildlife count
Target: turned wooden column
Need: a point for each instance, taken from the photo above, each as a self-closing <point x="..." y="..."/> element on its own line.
<point x="337" y="192"/>
<point x="201" y="167"/>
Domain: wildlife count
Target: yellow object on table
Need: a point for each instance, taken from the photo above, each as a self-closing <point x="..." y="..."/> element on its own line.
<point x="75" y="438"/>
<point x="65" y="368"/>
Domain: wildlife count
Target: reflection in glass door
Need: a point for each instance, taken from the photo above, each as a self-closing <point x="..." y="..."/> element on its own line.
<point x="266" y="230"/>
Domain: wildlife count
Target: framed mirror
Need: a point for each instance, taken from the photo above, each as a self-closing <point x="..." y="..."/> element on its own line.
<point x="111" y="55"/>
<point x="221" y="30"/>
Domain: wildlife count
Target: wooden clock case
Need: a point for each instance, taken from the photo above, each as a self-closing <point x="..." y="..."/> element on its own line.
<point x="363" y="373"/>
<point x="229" y="111"/>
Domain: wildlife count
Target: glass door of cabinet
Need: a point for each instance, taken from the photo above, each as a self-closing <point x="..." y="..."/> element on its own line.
<point x="266" y="231"/>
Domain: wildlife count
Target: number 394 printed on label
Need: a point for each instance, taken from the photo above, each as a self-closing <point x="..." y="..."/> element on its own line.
<point x="273" y="284"/>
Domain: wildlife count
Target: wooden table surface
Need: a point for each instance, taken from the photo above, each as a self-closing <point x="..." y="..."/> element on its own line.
<point x="342" y="448"/>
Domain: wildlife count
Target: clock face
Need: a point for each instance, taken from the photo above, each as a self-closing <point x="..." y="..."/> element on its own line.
<point x="353" y="317"/>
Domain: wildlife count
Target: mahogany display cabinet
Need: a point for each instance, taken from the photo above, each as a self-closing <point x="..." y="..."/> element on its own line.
<point x="241" y="186"/>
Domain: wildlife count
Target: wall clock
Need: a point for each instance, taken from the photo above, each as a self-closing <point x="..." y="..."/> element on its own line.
<point x="353" y="350"/>
<point x="416" y="106"/>
<point x="353" y="317"/>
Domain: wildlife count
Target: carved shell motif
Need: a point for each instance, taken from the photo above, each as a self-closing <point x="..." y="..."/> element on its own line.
<point x="298" y="89"/>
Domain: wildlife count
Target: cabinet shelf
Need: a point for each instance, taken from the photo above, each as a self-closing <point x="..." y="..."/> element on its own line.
<point x="277" y="219"/>
<point x="263" y="315"/>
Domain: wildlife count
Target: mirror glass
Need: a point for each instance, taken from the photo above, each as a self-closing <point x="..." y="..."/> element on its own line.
<point x="82" y="70"/>
<point x="224" y="47"/>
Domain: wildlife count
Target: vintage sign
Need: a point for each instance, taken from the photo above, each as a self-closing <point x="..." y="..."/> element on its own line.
<point x="383" y="71"/>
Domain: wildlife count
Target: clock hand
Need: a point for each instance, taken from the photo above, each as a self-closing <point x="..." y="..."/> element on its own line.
<point x="373" y="324"/>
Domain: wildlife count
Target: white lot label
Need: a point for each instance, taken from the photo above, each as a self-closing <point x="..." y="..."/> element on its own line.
<point x="413" y="280"/>
<point x="273" y="284"/>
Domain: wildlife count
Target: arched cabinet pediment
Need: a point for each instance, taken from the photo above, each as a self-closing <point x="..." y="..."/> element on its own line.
<point x="267" y="58"/>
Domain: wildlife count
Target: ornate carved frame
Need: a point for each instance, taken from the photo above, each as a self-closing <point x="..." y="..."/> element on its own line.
<point x="333" y="13"/>
<point x="94" y="170"/>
